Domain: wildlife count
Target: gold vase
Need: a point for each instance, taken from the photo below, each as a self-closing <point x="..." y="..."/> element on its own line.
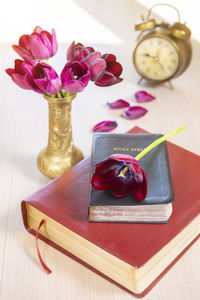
<point x="60" y="153"/>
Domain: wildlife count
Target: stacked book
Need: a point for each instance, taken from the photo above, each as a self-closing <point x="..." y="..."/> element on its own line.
<point x="132" y="255"/>
<point x="157" y="206"/>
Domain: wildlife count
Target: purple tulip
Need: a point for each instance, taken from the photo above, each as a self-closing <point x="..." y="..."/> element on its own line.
<point x="39" y="45"/>
<point x="18" y="74"/>
<point x="43" y="79"/>
<point x="112" y="72"/>
<point x="122" y="175"/>
<point x="78" y="52"/>
<point x="75" y="76"/>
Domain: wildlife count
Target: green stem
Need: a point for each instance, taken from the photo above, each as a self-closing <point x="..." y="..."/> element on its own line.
<point x="68" y="94"/>
<point x="52" y="96"/>
<point x="48" y="61"/>
<point x="59" y="95"/>
<point x="157" y="142"/>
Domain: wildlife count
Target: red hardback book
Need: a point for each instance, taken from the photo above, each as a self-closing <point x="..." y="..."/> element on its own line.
<point x="121" y="246"/>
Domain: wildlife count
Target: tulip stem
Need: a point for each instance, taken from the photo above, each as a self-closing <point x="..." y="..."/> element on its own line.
<point x="59" y="95"/>
<point x="68" y="94"/>
<point x="158" y="141"/>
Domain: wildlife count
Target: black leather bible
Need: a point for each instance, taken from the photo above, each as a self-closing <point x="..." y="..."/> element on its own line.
<point x="157" y="206"/>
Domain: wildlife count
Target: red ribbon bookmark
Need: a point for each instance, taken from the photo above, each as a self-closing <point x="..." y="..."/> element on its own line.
<point x="47" y="270"/>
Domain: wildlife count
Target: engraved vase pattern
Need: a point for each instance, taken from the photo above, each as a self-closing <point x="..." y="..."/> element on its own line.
<point x="60" y="153"/>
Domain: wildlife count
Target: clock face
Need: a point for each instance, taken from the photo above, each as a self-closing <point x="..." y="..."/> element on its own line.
<point x="156" y="58"/>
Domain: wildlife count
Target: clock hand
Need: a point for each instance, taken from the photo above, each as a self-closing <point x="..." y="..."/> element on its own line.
<point x="148" y="55"/>
<point x="155" y="58"/>
<point x="162" y="67"/>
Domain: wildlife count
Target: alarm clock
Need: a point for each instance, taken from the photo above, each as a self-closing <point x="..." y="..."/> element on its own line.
<point x="163" y="51"/>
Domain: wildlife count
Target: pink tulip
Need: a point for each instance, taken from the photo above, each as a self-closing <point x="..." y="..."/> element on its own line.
<point x="75" y="76"/>
<point x="39" y="45"/>
<point x="43" y="79"/>
<point x="38" y="77"/>
<point x="78" y="52"/>
<point x="112" y="72"/>
<point x="18" y="74"/>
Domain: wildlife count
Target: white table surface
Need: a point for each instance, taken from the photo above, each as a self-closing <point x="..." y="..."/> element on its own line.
<point x="24" y="131"/>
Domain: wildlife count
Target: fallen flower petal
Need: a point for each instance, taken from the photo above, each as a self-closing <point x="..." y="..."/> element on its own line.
<point x="105" y="126"/>
<point x="134" y="112"/>
<point x="118" y="104"/>
<point x="142" y="96"/>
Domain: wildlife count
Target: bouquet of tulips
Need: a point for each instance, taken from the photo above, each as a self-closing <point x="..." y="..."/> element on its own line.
<point x="83" y="64"/>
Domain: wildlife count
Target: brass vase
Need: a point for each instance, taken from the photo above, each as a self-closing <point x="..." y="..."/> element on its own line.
<point x="60" y="153"/>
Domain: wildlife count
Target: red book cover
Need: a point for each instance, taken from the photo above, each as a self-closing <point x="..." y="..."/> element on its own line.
<point x="65" y="200"/>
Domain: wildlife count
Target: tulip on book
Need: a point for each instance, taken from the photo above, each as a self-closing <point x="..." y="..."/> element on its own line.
<point x="122" y="175"/>
<point x="126" y="179"/>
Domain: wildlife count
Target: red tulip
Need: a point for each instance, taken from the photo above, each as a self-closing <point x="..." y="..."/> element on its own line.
<point x="112" y="72"/>
<point x="122" y="175"/>
<point x="39" y="45"/>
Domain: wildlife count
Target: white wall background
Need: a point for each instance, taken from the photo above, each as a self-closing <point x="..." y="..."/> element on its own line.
<point x="83" y="20"/>
<point x="189" y="12"/>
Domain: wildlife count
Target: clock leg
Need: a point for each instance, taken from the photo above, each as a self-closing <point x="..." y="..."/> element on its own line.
<point x="170" y="85"/>
<point x="140" y="80"/>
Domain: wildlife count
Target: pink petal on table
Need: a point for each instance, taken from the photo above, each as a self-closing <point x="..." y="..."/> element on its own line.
<point x="142" y="96"/>
<point x="134" y="112"/>
<point x="118" y="104"/>
<point x="105" y="126"/>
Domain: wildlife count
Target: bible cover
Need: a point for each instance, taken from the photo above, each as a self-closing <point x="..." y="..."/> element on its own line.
<point x="155" y="164"/>
<point x="65" y="200"/>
